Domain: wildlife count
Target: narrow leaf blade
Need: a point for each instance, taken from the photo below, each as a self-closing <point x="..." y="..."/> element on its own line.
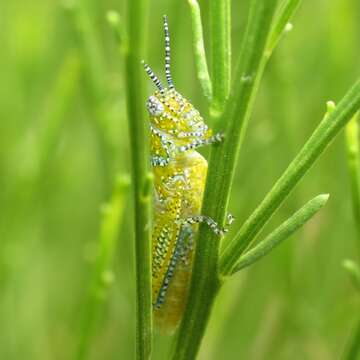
<point x="199" y="50"/>
<point x="353" y="270"/>
<point x="329" y="127"/>
<point x="280" y="234"/>
<point x="285" y="12"/>
<point x="353" y="163"/>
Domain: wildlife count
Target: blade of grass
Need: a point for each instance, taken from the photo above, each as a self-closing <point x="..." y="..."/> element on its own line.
<point x="353" y="271"/>
<point x="354" y="345"/>
<point x="88" y="42"/>
<point x="205" y="281"/>
<point x="102" y="273"/>
<point x="117" y="26"/>
<point x="61" y="99"/>
<point x="286" y="10"/>
<point x="332" y="123"/>
<point x="220" y="33"/>
<point x="283" y="232"/>
<point x="95" y="85"/>
<point x="141" y="177"/>
<point x="199" y="50"/>
<point x="353" y="160"/>
<point x="59" y="103"/>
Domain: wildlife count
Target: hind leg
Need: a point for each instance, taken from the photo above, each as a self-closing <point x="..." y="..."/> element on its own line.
<point x="188" y="244"/>
<point x="181" y="252"/>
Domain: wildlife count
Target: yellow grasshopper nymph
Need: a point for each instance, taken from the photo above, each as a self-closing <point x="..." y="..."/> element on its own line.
<point x="177" y="129"/>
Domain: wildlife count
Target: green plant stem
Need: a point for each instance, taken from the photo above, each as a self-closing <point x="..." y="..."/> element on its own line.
<point x="352" y="351"/>
<point x="94" y="75"/>
<point x="281" y="233"/>
<point x="59" y="103"/>
<point x="91" y="50"/>
<point x="102" y="276"/>
<point x="220" y="32"/>
<point x="354" y="346"/>
<point x="311" y="151"/>
<point x="199" y="50"/>
<point x="117" y="26"/>
<point x="138" y="133"/>
<point x="353" y="160"/>
<point x="61" y="99"/>
<point x="353" y="270"/>
<point x="205" y="281"/>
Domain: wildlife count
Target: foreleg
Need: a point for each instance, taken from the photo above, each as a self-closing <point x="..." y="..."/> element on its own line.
<point x="168" y="147"/>
<point x="201" y="142"/>
<point x="214" y="226"/>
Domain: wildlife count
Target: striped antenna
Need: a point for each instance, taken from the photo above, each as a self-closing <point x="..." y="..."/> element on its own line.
<point x="167" y="54"/>
<point x="153" y="77"/>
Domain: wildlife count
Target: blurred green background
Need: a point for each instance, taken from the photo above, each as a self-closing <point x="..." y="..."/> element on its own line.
<point x="64" y="141"/>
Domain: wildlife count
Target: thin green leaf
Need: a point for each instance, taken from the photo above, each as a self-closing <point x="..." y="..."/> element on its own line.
<point x="199" y="50"/>
<point x="311" y="151"/>
<point x="94" y="76"/>
<point x="353" y="160"/>
<point x="281" y="23"/>
<point x="353" y="270"/>
<point x="280" y="234"/>
<point x="91" y="51"/>
<point x="220" y="28"/>
<point x="102" y="277"/>
<point x="353" y="348"/>
<point x="114" y="20"/>
<point x="61" y="99"/>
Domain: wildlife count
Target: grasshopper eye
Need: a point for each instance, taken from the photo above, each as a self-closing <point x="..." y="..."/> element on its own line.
<point x="154" y="106"/>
